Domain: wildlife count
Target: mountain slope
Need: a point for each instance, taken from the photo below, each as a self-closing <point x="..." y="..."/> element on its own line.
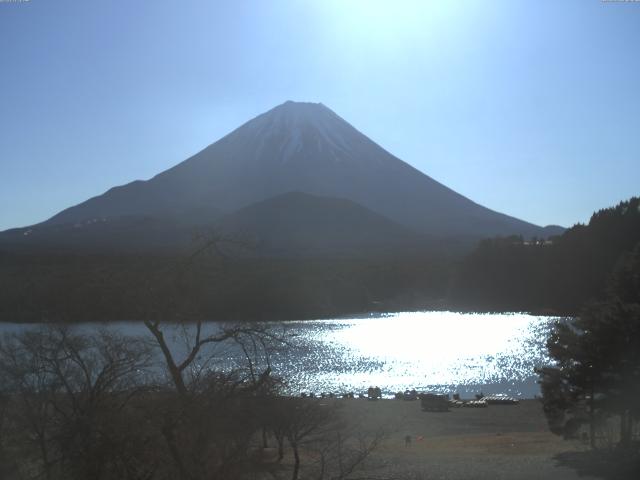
<point x="301" y="224"/>
<point x="125" y="233"/>
<point x="301" y="147"/>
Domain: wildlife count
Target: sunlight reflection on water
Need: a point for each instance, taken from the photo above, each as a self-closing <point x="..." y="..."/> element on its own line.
<point x="443" y="351"/>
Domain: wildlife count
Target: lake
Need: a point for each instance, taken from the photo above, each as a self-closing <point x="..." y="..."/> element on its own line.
<point x="437" y="351"/>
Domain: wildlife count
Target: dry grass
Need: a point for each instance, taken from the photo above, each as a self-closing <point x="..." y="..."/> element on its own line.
<point x="497" y="442"/>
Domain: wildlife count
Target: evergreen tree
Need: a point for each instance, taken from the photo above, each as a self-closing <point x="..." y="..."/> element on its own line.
<point x="597" y="355"/>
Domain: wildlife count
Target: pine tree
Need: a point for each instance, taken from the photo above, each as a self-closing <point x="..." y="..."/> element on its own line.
<point x="597" y="355"/>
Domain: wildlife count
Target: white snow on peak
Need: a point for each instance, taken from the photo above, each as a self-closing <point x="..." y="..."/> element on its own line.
<point x="299" y="123"/>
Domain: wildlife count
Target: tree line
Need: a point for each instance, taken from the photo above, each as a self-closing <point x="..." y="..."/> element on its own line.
<point x="53" y="287"/>
<point x="555" y="276"/>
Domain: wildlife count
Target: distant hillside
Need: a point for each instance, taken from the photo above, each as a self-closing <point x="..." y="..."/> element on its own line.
<point x="512" y="274"/>
<point x="301" y="224"/>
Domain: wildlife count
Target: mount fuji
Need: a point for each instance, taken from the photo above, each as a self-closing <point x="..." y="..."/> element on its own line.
<point x="301" y="148"/>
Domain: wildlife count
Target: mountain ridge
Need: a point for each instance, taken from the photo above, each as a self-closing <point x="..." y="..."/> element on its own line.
<point x="300" y="147"/>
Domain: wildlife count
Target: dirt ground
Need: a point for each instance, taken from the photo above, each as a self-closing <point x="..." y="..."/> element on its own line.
<point x="497" y="442"/>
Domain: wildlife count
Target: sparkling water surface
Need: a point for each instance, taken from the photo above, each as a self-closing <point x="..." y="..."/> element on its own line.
<point x="430" y="351"/>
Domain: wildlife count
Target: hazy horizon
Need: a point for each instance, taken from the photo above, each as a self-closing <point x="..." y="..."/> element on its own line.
<point x="528" y="109"/>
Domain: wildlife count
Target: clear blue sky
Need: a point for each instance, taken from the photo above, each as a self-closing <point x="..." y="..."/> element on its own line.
<point x="531" y="108"/>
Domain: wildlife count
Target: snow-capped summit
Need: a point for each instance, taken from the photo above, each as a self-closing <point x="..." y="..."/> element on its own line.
<point x="301" y="126"/>
<point x="292" y="130"/>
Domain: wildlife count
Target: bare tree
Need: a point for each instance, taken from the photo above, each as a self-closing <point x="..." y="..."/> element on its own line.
<point x="344" y="451"/>
<point x="210" y="396"/>
<point x="68" y="391"/>
<point x="306" y="418"/>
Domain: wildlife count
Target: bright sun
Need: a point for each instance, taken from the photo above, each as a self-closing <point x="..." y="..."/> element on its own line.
<point x="391" y="21"/>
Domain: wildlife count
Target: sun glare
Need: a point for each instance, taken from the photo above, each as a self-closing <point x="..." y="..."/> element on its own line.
<point x="391" y="23"/>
